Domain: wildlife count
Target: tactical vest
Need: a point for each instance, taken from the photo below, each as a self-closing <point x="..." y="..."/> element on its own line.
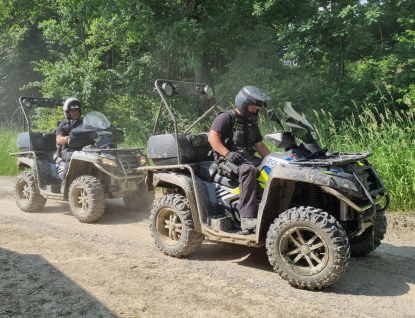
<point x="243" y="136"/>
<point x="68" y="128"/>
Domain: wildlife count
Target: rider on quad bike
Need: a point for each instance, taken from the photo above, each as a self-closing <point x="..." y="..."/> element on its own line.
<point x="97" y="170"/>
<point x="235" y="137"/>
<point x="314" y="208"/>
<point x="72" y="110"/>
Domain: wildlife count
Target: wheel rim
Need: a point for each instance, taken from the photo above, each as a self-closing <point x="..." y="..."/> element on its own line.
<point x="80" y="200"/>
<point x="23" y="191"/>
<point x="304" y="251"/>
<point x="169" y="227"/>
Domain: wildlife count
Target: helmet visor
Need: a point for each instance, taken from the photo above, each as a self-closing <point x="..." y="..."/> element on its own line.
<point x="255" y="96"/>
<point x="259" y="103"/>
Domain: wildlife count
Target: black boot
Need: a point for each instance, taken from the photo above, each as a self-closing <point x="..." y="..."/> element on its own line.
<point x="248" y="226"/>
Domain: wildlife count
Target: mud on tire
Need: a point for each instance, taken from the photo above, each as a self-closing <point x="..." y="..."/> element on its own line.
<point x="87" y="199"/>
<point x="27" y="193"/>
<point x="172" y="227"/>
<point x="141" y="200"/>
<point x="308" y="248"/>
<point x="361" y="245"/>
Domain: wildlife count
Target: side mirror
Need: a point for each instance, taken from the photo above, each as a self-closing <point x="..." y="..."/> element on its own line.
<point x="272" y="115"/>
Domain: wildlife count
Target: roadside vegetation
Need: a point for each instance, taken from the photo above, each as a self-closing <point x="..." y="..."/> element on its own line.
<point x="8" y="138"/>
<point x="391" y="138"/>
<point x="389" y="135"/>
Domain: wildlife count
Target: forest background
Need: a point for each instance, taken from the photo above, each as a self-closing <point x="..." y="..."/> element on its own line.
<point x="348" y="65"/>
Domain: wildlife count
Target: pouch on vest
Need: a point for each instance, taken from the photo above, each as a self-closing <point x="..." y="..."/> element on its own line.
<point x="239" y="139"/>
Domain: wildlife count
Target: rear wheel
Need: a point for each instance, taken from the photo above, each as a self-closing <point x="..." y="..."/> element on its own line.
<point x="369" y="239"/>
<point x="141" y="200"/>
<point x="87" y="199"/>
<point x="27" y="193"/>
<point x="172" y="227"/>
<point x="308" y="248"/>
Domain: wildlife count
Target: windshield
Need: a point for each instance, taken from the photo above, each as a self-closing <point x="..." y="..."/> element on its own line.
<point x="293" y="114"/>
<point x="97" y="120"/>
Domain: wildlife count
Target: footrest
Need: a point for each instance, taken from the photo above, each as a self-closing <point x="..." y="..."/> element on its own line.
<point x="223" y="224"/>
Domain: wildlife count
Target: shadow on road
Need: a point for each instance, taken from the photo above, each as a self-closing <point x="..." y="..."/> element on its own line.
<point x="32" y="287"/>
<point x="389" y="271"/>
<point x="115" y="212"/>
<point x="255" y="257"/>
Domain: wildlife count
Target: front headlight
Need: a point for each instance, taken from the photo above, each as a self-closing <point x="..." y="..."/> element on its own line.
<point x="108" y="162"/>
<point x="143" y="160"/>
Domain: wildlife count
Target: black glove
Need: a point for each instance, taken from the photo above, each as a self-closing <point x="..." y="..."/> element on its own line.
<point x="228" y="169"/>
<point x="235" y="157"/>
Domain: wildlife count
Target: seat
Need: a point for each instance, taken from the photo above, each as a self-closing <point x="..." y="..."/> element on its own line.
<point x="201" y="147"/>
<point x="230" y="183"/>
<point x="162" y="149"/>
<point x="205" y="170"/>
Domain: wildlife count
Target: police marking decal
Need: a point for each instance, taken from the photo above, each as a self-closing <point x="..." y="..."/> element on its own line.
<point x="275" y="161"/>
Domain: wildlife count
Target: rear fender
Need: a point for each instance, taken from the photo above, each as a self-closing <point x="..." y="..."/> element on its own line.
<point x="25" y="162"/>
<point x="76" y="169"/>
<point x="195" y="198"/>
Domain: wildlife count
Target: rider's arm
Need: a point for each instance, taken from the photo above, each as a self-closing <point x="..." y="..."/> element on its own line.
<point x="261" y="149"/>
<point x="61" y="140"/>
<point x="61" y="135"/>
<point x="216" y="142"/>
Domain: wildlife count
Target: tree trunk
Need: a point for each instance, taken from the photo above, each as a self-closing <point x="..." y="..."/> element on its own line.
<point x="203" y="75"/>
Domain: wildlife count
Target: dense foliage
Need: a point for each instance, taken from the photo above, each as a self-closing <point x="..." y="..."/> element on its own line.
<point x="317" y="54"/>
<point x="343" y="57"/>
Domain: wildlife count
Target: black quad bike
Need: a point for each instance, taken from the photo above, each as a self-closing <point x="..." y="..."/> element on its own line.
<point x="98" y="172"/>
<point x="314" y="208"/>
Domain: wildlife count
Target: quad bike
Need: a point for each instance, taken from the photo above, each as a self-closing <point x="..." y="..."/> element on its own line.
<point x="98" y="172"/>
<point x="314" y="208"/>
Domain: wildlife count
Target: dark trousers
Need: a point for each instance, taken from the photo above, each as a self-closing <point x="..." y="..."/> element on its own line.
<point x="66" y="155"/>
<point x="247" y="187"/>
<point x="247" y="190"/>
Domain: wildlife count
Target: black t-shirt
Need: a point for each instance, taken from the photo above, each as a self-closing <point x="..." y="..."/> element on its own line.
<point x="223" y="124"/>
<point x="65" y="128"/>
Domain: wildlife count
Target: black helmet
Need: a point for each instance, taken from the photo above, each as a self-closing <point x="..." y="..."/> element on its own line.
<point x="71" y="103"/>
<point x="250" y="95"/>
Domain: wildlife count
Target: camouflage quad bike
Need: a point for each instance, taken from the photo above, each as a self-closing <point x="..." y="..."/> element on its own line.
<point x="314" y="208"/>
<point x="98" y="172"/>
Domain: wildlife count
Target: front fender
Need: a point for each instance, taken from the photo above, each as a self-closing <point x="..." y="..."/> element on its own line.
<point x="317" y="177"/>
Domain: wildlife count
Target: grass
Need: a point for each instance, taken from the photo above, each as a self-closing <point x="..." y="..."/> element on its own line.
<point x="8" y="137"/>
<point x="391" y="138"/>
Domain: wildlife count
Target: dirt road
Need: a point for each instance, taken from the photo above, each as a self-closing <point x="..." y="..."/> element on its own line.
<point x="51" y="265"/>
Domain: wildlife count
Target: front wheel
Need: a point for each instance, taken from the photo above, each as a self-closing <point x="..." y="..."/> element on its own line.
<point x="87" y="199"/>
<point x="172" y="227"/>
<point x="27" y="193"/>
<point x="308" y="248"/>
